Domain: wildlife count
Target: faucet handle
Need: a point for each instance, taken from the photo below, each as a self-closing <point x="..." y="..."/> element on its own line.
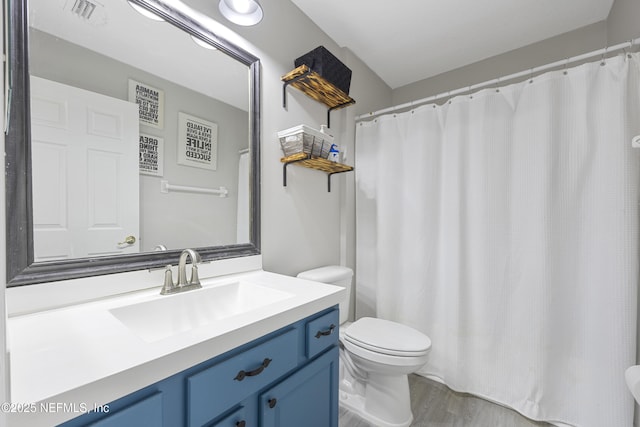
<point x="194" y="279"/>
<point x="168" y="286"/>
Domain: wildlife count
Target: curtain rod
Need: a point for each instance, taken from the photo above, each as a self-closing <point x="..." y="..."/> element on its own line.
<point x="527" y="73"/>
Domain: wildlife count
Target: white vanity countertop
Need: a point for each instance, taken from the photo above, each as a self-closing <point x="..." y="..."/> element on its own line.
<point x="84" y="354"/>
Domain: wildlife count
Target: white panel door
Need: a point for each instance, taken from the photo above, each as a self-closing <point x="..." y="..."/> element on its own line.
<point x="85" y="172"/>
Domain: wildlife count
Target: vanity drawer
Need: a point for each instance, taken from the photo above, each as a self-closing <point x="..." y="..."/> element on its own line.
<point x="216" y="389"/>
<point x="322" y="332"/>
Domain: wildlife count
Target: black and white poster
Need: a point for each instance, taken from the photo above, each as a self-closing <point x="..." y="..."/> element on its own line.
<point x="151" y="155"/>
<point x="150" y="103"/>
<point x="197" y="142"/>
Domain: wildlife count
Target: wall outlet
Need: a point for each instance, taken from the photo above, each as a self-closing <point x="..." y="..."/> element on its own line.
<point x="635" y="141"/>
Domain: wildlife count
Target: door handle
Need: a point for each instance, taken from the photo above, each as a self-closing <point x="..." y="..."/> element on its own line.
<point x="129" y="240"/>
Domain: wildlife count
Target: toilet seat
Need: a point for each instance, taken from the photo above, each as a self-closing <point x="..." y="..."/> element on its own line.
<point x="387" y="338"/>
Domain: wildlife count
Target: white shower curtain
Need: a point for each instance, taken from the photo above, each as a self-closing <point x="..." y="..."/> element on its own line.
<point x="504" y="225"/>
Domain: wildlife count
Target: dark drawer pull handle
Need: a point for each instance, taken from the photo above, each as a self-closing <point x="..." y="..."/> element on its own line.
<point x="240" y="423"/>
<point x="255" y="372"/>
<point x="272" y="402"/>
<point x="325" y="333"/>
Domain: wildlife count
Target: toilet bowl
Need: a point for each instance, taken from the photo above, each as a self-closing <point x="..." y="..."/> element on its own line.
<point x="376" y="355"/>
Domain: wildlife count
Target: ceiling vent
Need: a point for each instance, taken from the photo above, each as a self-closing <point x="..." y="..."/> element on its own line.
<point x="83" y="8"/>
<point x="88" y="10"/>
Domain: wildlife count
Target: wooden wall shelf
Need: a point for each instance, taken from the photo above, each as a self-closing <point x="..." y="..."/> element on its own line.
<point x="316" y="87"/>
<point x="318" y="163"/>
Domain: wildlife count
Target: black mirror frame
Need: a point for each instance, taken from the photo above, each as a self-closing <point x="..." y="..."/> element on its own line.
<point x="21" y="270"/>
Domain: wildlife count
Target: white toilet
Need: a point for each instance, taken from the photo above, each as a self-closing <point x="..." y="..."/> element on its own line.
<point x="376" y="356"/>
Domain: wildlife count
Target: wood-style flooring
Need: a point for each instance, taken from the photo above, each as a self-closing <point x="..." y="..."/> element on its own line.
<point x="435" y="405"/>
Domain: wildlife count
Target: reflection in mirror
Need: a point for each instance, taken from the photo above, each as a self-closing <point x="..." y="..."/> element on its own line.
<point x="141" y="140"/>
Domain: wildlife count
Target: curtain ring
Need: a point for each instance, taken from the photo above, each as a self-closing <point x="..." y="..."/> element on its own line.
<point x="470" y="94"/>
<point x="566" y="64"/>
<point x="531" y="75"/>
<point x="498" y="84"/>
<point x="602" y="59"/>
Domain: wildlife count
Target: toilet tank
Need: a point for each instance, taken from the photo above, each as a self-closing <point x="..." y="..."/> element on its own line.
<point x="333" y="275"/>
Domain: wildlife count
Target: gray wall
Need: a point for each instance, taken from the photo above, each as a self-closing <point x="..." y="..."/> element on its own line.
<point x="303" y="225"/>
<point x="174" y="219"/>
<point x="622" y="23"/>
<point x="620" y="26"/>
<point x="583" y="40"/>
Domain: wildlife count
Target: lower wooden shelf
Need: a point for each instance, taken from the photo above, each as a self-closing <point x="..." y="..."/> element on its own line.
<point x="318" y="163"/>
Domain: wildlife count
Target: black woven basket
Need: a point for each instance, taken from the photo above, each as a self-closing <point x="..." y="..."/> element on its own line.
<point x="328" y="66"/>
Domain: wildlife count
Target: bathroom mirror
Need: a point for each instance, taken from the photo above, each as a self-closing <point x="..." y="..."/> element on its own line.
<point x="168" y="138"/>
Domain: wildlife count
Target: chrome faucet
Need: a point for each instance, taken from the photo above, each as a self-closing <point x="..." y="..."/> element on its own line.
<point x="182" y="267"/>
<point x="183" y="284"/>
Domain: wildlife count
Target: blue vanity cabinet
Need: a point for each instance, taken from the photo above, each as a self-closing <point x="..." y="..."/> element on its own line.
<point x="307" y="398"/>
<point x="286" y="378"/>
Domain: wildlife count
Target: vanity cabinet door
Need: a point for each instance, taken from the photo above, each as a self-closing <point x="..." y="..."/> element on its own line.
<point x="238" y="418"/>
<point x="145" y="412"/>
<point x="132" y="411"/>
<point x="307" y="398"/>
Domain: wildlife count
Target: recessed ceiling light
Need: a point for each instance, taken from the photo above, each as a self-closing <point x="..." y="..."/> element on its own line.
<point x="241" y="12"/>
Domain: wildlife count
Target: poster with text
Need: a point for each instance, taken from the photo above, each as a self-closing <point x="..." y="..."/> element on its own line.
<point x="150" y="103"/>
<point x="197" y="142"/>
<point x="151" y="155"/>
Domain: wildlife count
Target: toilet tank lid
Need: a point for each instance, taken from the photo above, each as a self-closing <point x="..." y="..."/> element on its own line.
<point x="328" y="274"/>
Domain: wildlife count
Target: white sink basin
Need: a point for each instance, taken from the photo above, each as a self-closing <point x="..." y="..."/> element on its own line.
<point x="173" y="314"/>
